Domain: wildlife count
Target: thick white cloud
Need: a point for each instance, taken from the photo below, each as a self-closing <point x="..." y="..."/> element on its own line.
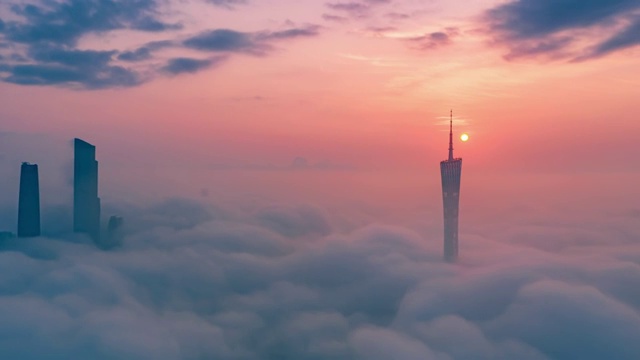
<point x="278" y="281"/>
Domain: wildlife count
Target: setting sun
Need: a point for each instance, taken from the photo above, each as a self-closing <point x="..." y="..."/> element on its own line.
<point x="464" y="137"/>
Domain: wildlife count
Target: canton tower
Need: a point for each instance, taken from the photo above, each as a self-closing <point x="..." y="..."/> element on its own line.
<point x="450" y="170"/>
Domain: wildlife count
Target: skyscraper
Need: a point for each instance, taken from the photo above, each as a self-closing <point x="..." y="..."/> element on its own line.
<point x="450" y="170"/>
<point x="86" y="203"/>
<point x="29" y="201"/>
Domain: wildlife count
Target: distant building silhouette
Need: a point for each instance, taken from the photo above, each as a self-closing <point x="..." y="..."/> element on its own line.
<point x="29" y="201"/>
<point x="6" y="235"/>
<point x="300" y="163"/>
<point x="86" y="203"/>
<point x="450" y="171"/>
<point x="6" y="238"/>
<point x="115" y="233"/>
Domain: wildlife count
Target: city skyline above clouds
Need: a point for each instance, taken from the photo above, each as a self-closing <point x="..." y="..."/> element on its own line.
<point x="276" y="166"/>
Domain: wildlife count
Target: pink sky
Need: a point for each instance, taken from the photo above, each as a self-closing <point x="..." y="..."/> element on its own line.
<point x="365" y="83"/>
<point x="198" y="109"/>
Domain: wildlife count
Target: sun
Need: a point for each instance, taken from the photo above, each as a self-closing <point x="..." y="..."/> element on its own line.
<point x="464" y="137"/>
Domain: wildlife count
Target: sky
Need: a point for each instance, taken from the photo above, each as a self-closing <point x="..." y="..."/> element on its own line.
<point x="202" y="112"/>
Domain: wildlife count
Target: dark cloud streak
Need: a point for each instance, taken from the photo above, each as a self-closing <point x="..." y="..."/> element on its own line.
<point x="46" y="39"/>
<point x="66" y="21"/>
<point x="96" y="78"/>
<point x="226" y="40"/>
<point x="628" y="37"/>
<point x="50" y="32"/>
<point x="188" y="65"/>
<point x="434" y="40"/>
<point x="229" y="4"/>
<point x="532" y="28"/>
<point x="355" y="9"/>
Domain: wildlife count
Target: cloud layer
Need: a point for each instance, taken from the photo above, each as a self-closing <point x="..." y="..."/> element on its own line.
<point x="567" y="29"/>
<point x="42" y="43"/>
<point x="280" y="282"/>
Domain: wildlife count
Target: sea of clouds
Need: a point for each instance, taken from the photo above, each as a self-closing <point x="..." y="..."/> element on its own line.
<point x="549" y="269"/>
<point x="198" y="281"/>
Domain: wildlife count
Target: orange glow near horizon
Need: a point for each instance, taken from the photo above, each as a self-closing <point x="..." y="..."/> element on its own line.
<point x="350" y="93"/>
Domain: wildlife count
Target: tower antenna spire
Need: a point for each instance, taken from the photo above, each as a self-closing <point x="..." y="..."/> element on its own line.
<point x="451" y="135"/>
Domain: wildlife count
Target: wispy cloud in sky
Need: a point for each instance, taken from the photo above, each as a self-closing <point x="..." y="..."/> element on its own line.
<point x="44" y="48"/>
<point x="178" y="66"/>
<point x="528" y="29"/>
<point x="356" y="9"/>
<point x="195" y="280"/>
<point x="568" y="29"/>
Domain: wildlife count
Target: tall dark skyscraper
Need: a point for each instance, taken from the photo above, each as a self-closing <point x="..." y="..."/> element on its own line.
<point x="29" y="201"/>
<point x="86" y="203"/>
<point x="451" y="170"/>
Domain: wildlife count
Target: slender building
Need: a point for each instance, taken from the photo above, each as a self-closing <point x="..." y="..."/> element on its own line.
<point x="86" y="203"/>
<point x="450" y="171"/>
<point x="29" y="201"/>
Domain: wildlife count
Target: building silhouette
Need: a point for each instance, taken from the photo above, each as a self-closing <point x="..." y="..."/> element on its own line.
<point x="450" y="171"/>
<point x="29" y="201"/>
<point x="115" y="233"/>
<point x="86" y="203"/>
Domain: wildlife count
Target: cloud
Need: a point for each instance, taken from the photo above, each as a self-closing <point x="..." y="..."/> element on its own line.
<point x="177" y="66"/>
<point x="355" y="9"/>
<point x="75" y="77"/>
<point x="75" y="58"/>
<point x="229" y="4"/>
<point x="196" y="281"/>
<point x="334" y="18"/>
<point x="433" y="40"/>
<point x="50" y="31"/>
<point x="629" y="36"/>
<point x="397" y="16"/>
<point x="44" y="43"/>
<point x="65" y="22"/>
<point x="74" y="68"/>
<point x="139" y="54"/>
<point x="281" y="279"/>
<point x="426" y="42"/>
<point x="299" y="221"/>
<point x="380" y="344"/>
<point x="572" y="311"/>
<point x="144" y="52"/>
<point x="558" y="28"/>
<point x="555" y="48"/>
<point x="82" y="68"/>
<point x="525" y="19"/>
<point x="292" y="33"/>
<point x="226" y="40"/>
<point x="259" y="43"/>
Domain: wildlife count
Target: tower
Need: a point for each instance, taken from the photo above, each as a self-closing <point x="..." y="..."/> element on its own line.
<point x="29" y="201"/>
<point x="450" y="171"/>
<point x="86" y="203"/>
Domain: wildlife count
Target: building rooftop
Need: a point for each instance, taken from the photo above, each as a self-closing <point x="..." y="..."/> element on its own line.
<point x="81" y="143"/>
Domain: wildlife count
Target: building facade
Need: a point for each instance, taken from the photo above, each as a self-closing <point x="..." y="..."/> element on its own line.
<point x="29" y="201"/>
<point x="86" y="203"/>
